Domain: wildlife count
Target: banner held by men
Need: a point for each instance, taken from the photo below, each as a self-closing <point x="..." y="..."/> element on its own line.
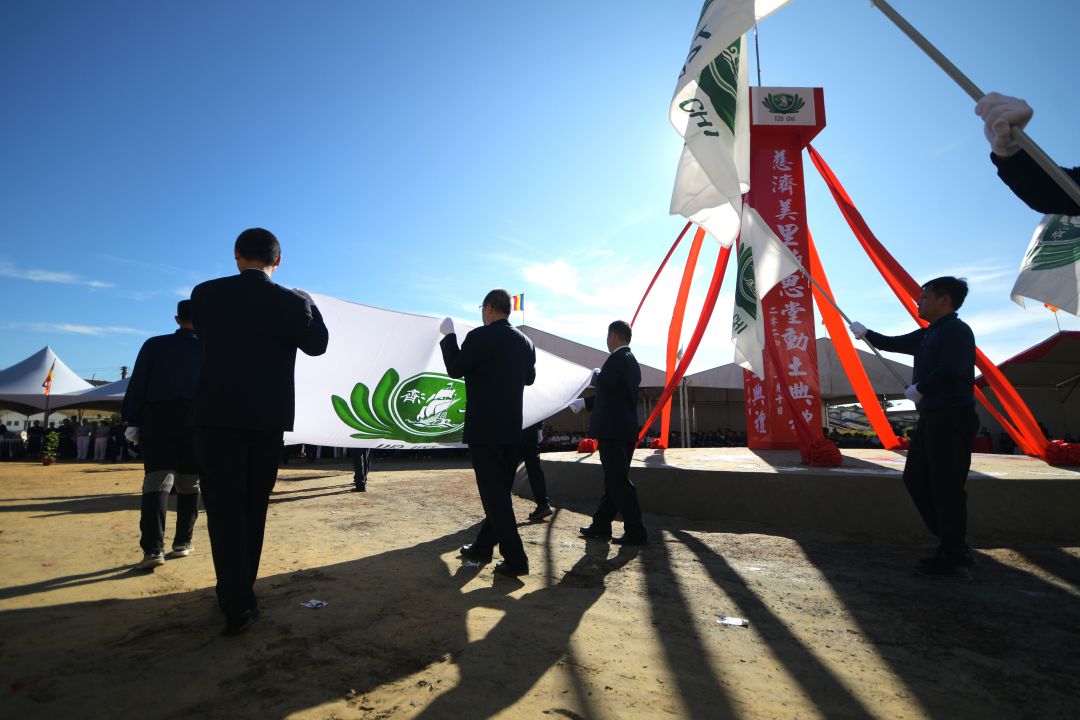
<point x="382" y="383"/>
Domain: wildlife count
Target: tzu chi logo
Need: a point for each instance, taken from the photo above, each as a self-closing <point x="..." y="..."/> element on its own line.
<point x="783" y="103"/>
<point x="426" y="408"/>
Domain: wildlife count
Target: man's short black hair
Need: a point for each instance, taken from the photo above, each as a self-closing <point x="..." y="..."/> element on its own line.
<point x="498" y="300"/>
<point x="955" y="288"/>
<point x="622" y="330"/>
<point x="184" y="311"/>
<point x="258" y="244"/>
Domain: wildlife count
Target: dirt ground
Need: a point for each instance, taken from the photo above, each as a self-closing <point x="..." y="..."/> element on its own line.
<point x="839" y="626"/>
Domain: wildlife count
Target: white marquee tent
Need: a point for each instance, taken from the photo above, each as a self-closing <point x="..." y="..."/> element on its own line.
<point x="21" y="384"/>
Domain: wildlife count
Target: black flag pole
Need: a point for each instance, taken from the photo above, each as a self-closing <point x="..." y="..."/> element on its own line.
<point x="1050" y="167"/>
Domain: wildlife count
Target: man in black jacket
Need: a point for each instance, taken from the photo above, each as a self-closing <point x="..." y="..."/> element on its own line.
<point x="942" y="388"/>
<point x="614" y="424"/>
<point x="1015" y="167"/>
<point x="157" y="408"/>
<point x="250" y="329"/>
<point x="497" y="362"/>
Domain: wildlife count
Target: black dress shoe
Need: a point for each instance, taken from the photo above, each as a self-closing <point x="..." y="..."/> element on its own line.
<point x="239" y="623"/>
<point x="595" y="534"/>
<point x="470" y="552"/>
<point x="631" y="540"/>
<point x="510" y="570"/>
<point x="360" y="487"/>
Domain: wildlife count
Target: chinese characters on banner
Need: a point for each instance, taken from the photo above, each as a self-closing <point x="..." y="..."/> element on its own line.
<point x="776" y="181"/>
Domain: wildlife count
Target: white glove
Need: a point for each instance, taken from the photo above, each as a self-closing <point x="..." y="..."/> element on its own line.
<point x="132" y="435"/>
<point x="577" y="406"/>
<point x="912" y="393"/>
<point x="446" y="327"/>
<point x="1001" y="114"/>
<point x="858" y="330"/>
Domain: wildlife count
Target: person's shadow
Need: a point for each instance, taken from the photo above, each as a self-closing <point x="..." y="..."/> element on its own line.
<point x="536" y="629"/>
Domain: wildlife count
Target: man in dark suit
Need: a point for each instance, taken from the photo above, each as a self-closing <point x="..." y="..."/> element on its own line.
<point x="530" y="455"/>
<point x="614" y="424"/>
<point x="250" y="328"/>
<point x="942" y="388"/>
<point x="497" y="362"/>
<point x="157" y="408"/>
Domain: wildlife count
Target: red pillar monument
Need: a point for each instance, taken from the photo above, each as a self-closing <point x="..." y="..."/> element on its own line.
<point x="782" y="122"/>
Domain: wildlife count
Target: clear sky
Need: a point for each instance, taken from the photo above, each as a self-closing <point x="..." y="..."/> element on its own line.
<point x="414" y="155"/>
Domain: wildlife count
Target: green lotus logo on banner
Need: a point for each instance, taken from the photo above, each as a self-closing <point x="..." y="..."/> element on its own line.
<point x="783" y="103"/>
<point x="1058" y="246"/>
<point x="426" y="408"/>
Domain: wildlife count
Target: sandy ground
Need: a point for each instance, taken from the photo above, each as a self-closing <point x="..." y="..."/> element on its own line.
<point x="839" y="626"/>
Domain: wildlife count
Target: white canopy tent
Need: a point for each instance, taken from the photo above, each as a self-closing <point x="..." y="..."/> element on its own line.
<point x="105" y="397"/>
<point x="21" y="384"/>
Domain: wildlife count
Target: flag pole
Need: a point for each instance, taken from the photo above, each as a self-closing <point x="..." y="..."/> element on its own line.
<point x="1051" y="168"/>
<point x="836" y="307"/>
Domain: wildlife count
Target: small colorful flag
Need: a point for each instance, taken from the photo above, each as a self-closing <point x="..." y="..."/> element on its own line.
<point x="47" y="384"/>
<point x="519" y="302"/>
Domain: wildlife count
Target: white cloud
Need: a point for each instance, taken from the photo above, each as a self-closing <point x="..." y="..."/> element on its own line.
<point x="11" y="271"/>
<point x="73" y="328"/>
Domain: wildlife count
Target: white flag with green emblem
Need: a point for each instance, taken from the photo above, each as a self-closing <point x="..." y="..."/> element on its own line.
<point x="763" y="262"/>
<point x="1050" y="272"/>
<point x="710" y="110"/>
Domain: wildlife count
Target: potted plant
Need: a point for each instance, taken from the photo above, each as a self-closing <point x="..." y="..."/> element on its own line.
<point x="48" y="448"/>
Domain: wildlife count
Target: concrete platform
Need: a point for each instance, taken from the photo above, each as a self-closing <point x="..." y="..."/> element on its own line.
<point x="1010" y="497"/>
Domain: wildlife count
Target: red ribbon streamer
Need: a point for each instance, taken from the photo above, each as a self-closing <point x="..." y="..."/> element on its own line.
<point x="1027" y="435"/>
<point x="695" y="340"/>
<point x="845" y="351"/>
<point x="660" y="270"/>
<point x="675" y="328"/>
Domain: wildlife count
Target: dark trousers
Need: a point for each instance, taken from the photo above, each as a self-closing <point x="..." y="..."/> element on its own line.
<point x="168" y="454"/>
<point x="620" y="495"/>
<point x="495" y="466"/>
<point x="152" y="519"/>
<point x="238" y="469"/>
<point x="361" y="463"/>
<point x="530" y="454"/>
<point x="936" y="471"/>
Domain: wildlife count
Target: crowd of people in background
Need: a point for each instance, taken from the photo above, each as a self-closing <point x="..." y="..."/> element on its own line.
<point x="77" y="439"/>
<point x="105" y="442"/>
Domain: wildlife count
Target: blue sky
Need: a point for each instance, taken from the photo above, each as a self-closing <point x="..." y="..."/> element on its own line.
<point x="414" y="155"/>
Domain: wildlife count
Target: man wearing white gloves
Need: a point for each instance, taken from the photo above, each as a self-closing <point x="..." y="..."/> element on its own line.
<point x="157" y="405"/>
<point x="1025" y="178"/>
<point x="615" y="425"/>
<point x="497" y="362"/>
<point x="942" y="389"/>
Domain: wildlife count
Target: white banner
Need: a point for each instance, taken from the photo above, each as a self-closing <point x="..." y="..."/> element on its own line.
<point x="1050" y="271"/>
<point x="710" y="111"/>
<point x="382" y="383"/>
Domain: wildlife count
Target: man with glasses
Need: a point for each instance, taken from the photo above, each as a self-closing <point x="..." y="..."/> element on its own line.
<point x="497" y="362"/>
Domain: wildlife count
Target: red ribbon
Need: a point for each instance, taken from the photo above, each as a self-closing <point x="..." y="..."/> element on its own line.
<point x="1059" y="452"/>
<point x="695" y="340"/>
<point x="660" y="270"/>
<point x="587" y="445"/>
<point x="1024" y="430"/>
<point x="845" y="351"/>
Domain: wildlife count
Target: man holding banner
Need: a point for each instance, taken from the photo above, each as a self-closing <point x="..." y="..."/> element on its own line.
<point x="614" y="424"/>
<point x="250" y="328"/>
<point x="942" y="388"/>
<point x="497" y="362"/>
<point x="1015" y="167"/>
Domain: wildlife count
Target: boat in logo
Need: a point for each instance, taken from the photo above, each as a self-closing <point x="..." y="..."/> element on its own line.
<point x="425" y="408"/>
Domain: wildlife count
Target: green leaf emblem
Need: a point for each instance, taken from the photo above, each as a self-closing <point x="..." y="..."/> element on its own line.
<point x="1058" y="246"/>
<point x="426" y="408"/>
